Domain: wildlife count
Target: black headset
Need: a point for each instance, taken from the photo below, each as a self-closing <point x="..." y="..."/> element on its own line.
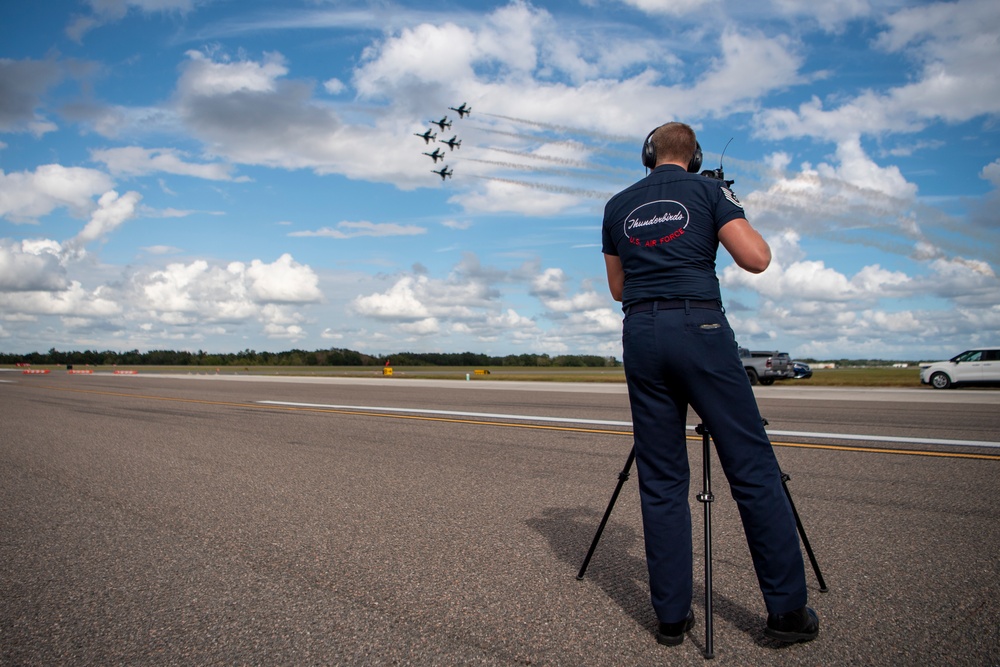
<point x="649" y="154"/>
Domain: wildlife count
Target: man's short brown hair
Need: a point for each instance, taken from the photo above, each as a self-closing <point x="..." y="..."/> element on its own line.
<point x="674" y="142"/>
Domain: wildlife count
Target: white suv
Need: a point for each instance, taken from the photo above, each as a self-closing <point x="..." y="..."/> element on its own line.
<point x="970" y="367"/>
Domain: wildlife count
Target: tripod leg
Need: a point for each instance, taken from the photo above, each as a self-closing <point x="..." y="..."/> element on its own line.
<point x="622" y="478"/>
<point x="802" y="534"/>
<point x="706" y="498"/>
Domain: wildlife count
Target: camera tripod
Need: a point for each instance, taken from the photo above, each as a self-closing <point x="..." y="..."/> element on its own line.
<point x="706" y="498"/>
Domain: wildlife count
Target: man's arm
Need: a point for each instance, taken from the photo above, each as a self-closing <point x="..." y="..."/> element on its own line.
<point x="616" y="276"/>
<point x="745" y="244"/>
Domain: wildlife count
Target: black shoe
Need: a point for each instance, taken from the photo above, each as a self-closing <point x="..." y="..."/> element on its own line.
<point x="801" y="625"/>
<point x="672" y="634"/>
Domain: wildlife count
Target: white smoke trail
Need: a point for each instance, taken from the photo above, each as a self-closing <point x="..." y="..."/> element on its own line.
<point x="541" y="169"/>
<point x="549" y="187"/>
<point x="530" y="137"/>
<point x="564" y="128"/>
<point x="561" y="160"/>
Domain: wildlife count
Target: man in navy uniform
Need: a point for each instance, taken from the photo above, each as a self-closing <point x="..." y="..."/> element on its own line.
<point x="660" y="239"/>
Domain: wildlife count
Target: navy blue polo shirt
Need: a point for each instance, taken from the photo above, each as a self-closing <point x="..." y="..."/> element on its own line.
<point x="665" y="229"/>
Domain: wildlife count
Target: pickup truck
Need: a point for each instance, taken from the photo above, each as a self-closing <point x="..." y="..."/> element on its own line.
<point x="764" y="367"/>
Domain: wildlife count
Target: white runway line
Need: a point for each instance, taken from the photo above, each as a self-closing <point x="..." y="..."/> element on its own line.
<point x="628" y="424"/>
<point x="450" y="413"/>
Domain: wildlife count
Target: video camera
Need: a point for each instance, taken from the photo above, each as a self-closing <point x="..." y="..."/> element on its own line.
<point x="718" y="174"/>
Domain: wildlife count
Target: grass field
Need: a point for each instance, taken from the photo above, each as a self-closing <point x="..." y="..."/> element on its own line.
<point x="822" y="377"/>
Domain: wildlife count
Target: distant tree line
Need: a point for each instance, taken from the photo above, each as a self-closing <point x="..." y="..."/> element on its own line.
<point x="331" y="357"/>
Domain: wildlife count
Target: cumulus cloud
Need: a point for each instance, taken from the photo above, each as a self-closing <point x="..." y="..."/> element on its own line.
<point x="414" y="298"/>
<point x="72" y="299"/>
<point x="282" y="281"/>
<point x="138" y="161"/>
<point x="112" y="211"/>
<point x="26" y="196"/>
<point x="550" y="287"/>
<point x="791" y="279"/>
<point x="853" y="200"/>
<point x="200" y="294"/>
<point x="251" y="112"/>
<point x="31" y="266"/>
<point x="467" y="302"/>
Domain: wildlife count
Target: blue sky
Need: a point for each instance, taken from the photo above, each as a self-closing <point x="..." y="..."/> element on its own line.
<point x="216" y="175"/>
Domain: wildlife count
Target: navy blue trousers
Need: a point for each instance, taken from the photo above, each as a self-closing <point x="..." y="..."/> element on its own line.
<point x="680" y="357"/>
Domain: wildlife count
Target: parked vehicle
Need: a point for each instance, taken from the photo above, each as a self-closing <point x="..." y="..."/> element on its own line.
<point x="979" y="366"/>
<point x="802" y="370"/>
<point x="764" y="367"/>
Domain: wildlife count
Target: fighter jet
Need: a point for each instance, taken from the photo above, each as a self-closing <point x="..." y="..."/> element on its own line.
<point x="462" y="111"/>
<point x="443" y="123"/>
<point x="443" y="173"/>
<point x="438" y="154"/>
<point x="452" y="144"/>
<point x="426" y="136"/>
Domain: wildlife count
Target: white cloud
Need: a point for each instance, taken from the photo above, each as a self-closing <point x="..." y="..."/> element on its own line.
<point x="991" y="173"/>
<point x="28" y="266"/>
<point x="138" y="161"/>
<point x="205" y="78"/>
<point x="185" y="295"/>
<point x="161" y="250"/>
<point x="497" y="196"/>
<point x="400" y="302"/>
<point x="282" y="281"/>
<point x="420" y="54"/>
<point x="73" y="300"/>
<point x="550" y="287"/>
<point x="853" y="199"/>
<point x="112" y="211"/>
<point x="426" y="327"/>
<point x="967" y="281"/>
<point x="792" y="280"/>
<point x="469" y="303"/>
<point x="26" y="196"/>
<point x="334" y="86"/>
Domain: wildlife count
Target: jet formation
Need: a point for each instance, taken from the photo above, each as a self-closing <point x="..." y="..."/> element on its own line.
<point x="462" y="110"/>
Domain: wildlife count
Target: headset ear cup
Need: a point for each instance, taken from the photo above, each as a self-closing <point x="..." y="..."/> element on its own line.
<point x="694" y="166"/>
<point x="649" y="152"/>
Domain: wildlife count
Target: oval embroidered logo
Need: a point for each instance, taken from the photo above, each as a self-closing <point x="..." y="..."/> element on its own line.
<point x="656" y="222"/>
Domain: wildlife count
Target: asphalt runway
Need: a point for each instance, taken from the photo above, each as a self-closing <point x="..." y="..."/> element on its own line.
<point x="202" y="520"/>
